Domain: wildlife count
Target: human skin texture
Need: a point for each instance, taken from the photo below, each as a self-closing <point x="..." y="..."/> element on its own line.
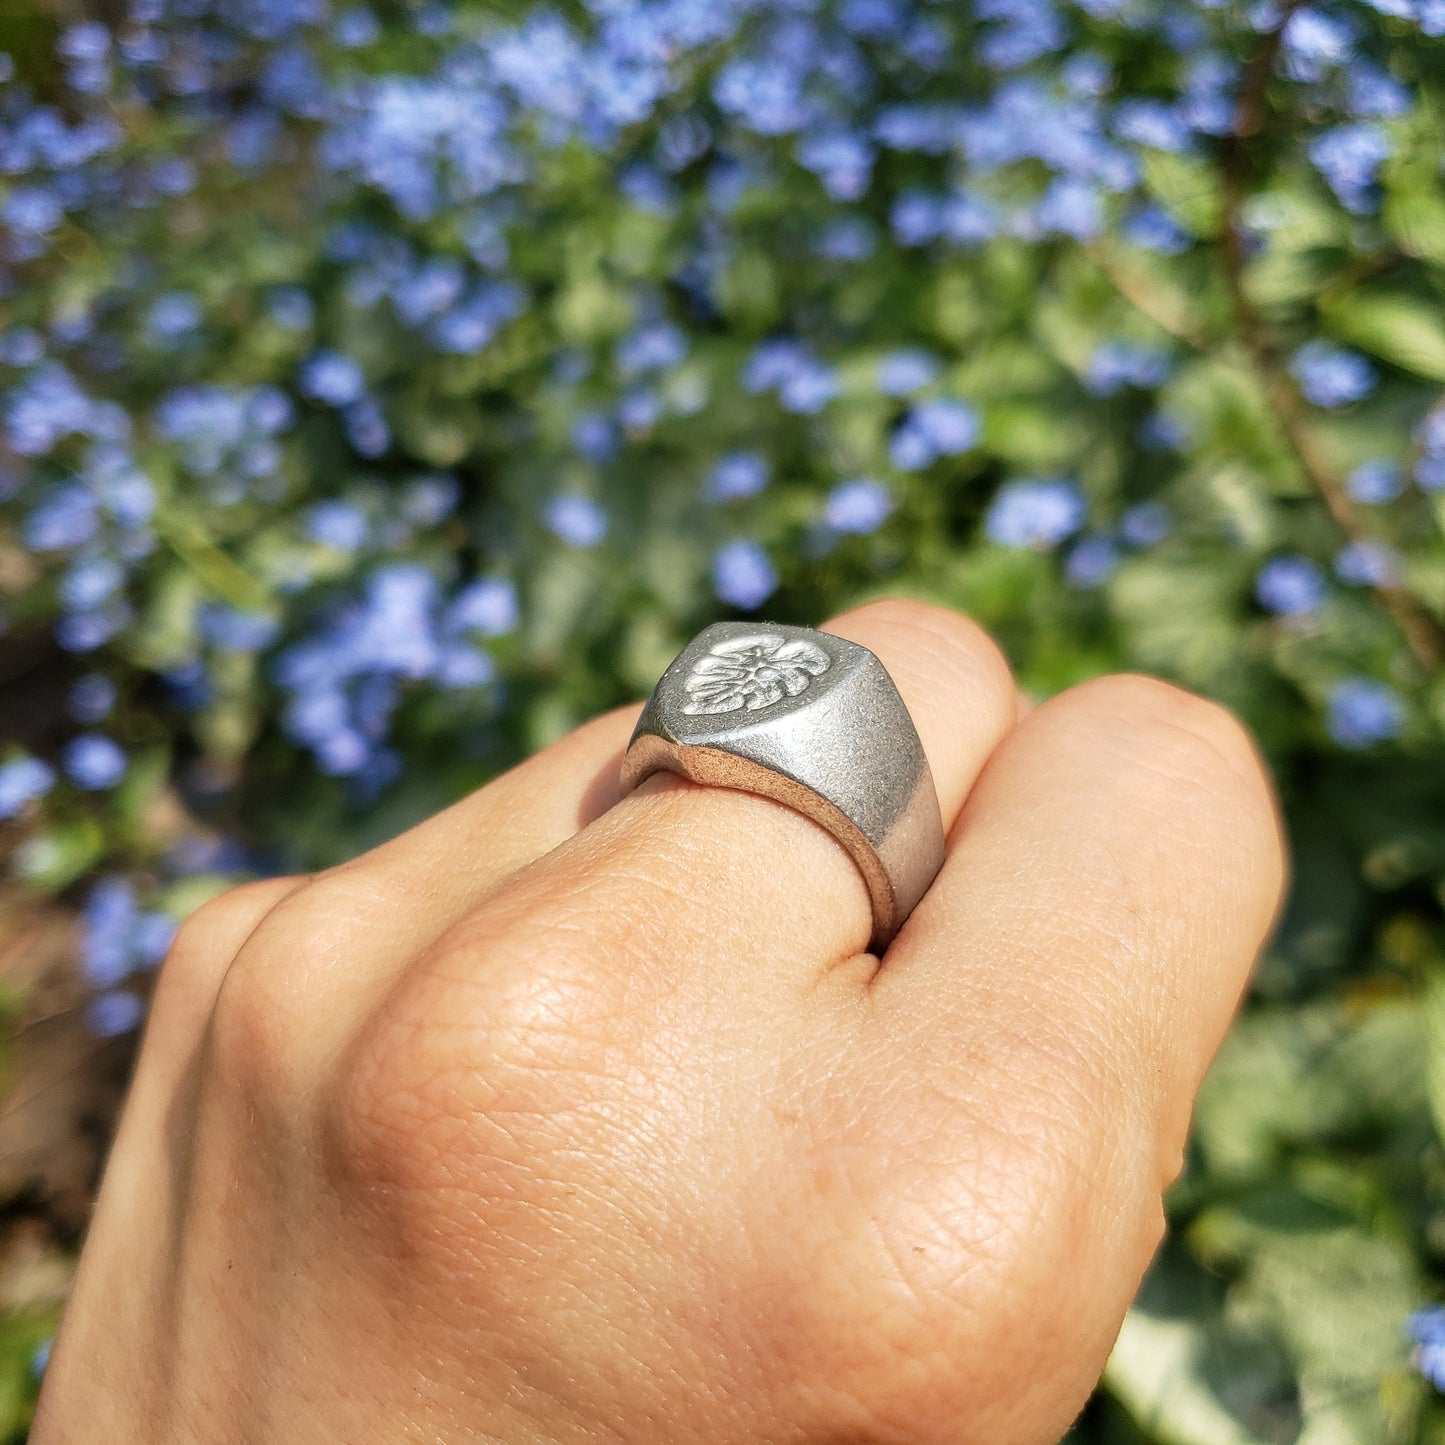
<point x="564" y="1117"/>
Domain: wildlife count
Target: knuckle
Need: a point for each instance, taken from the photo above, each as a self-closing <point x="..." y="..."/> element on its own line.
<point x="941" y="1288"/>
<point x="1192" y="740"/>
<point x="211" y="936"/>
<point x="260" y="1047"/>
<point x="479" y="1062"/>
<point x="252" y="1042"/>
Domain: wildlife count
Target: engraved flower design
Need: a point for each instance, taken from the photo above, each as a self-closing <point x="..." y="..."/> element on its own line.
<point x="752" y="672"/>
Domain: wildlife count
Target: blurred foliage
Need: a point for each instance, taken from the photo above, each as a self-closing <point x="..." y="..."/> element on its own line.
<point x="385" y="392"/>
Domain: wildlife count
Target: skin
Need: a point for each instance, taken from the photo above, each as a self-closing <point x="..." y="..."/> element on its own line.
<point x="562" y="1118"/>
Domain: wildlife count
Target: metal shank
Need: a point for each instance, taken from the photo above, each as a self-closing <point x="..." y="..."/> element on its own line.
<point x="814" y="722"/>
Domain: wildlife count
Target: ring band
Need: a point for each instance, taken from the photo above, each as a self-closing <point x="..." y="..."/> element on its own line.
<point x="812" y="721"/>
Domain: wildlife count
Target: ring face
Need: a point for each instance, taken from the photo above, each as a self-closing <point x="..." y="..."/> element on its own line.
<point x="810" y="720"/>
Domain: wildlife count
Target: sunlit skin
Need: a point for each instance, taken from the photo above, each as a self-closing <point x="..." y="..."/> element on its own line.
<point x="565" y="1118"/>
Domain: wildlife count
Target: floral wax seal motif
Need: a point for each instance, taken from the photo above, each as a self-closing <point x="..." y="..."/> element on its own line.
<point x="752" y="672"/>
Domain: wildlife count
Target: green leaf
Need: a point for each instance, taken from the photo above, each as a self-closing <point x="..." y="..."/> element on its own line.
<point x="1407" y="331"/>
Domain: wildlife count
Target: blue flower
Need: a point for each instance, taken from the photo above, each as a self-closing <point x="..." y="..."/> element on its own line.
<point x="737" y="476"/>
<point x="1152" y="123"/>
<point x="231" y="630"/>
<point x="1374" y="92"/>
<point x="1071" y="207"/>
<point x="1289" y="586"/>
<point x="339" y="525"/>
<point x="89" y="582"/>
<point x="1349" y="157"/>
<point x="786" y="366"/>
<point x="1363" y="712"/>
<point x="577" y="520"/>
<point x="742" y="575"/>
<point x="332" y="378"/>
<point x="461" y="666"/>
<point x="488" y="606"/>
<point x="763" y="95"/>
<point x="108" y="924"/>
<point x="1427" y="1329"/>
<point x="1117" y="364"/>
<point x="1145" y="524"/>
<point x="66" y="518"/>
<point x="846" y="238"/>
<point x="1368" y="563"/>
<point x="1091" y="561"/>
<point x="938" y="427"/>
<point x="430" y="500"/>
<point x="49" y="406"/>
<point x="108" y="1015"/>
<point x="903" y="372"/>
<point x="366" y="428"/>
<point x="1035" y="514"/>
<point x="594" y="434"/>
<point x="291" y="307"/>
<point x="1330" y="375"/>
<point x="657" y="347"/>
<point x="1375" y="482"/>
<point x="1313" y="41"/>
<point x="916" y="218"/>
<point x="94" y="762"/>
<point x="861" y="505"/>
<point x="173" y="316"/>
<point x="638" y="410"/>
<point x="355" y="29"/>
<point x="1152" y="228"/>
<point x="22" y="780"/>
<point x="842" y="160"/>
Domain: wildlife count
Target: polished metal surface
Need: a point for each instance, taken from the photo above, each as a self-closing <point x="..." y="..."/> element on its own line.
<point x="812" y="721"/>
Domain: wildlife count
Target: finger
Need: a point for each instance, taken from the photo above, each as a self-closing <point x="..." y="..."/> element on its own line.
<point x="692" y="874"/>
<point x="1052" y="1008"/>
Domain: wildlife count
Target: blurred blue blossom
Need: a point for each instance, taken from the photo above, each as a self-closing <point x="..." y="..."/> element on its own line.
<point x="803" y="384"/>
<point x="1363" y="712"/>
<point x="937" y="427"/>
<point x="22" y="780"/>
<point x="903" y="372"/>
<point x="1289" y="586"/>
<point x="1374" y="483"/>
<point x="116" y="1012"/>
<point x="331" y="377"/>
<point x="742" y="574"/>
<point x="1091" y="560"/>
<point x="1330" y="375"/>
<point x="173" y="316"/>
<point x="1035" y="514"/>
<point x="1368" y="563"/>
<point x="1427" y="1330"/>
<point x="1117" y="364"/>
<point x="576" y="520"/>
<point x="860" y="505"/>
<point x="337" y="524"/>
<point x="488" y="606"/>
<point x="1145" y="524"/>
<point x="94" y="761"/>
<point x="1349" y="158"/>
<point x="737" y="476"/>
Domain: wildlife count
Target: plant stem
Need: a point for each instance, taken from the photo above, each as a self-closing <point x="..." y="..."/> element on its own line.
<point x="1422" y="632"/>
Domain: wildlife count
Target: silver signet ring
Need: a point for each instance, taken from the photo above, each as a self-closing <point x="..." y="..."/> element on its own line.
<point x="810" y="720"/>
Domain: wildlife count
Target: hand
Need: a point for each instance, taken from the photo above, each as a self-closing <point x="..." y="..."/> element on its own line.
<point x="560" y="1118"/>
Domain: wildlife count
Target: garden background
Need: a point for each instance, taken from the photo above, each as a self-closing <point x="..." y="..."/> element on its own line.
<point x="383" y="391"/>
